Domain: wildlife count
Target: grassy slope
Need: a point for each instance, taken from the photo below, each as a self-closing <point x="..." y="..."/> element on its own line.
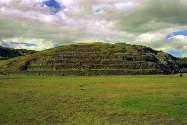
<point x="15" y="64"/>
<point x="102" y="100"/>
<point x="51" y="60"/>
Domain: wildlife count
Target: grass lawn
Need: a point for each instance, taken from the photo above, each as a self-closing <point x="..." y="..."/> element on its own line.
<point x="93" y="100"/>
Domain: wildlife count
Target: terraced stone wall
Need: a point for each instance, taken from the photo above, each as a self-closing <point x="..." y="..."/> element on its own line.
<point x="96" y="60"/>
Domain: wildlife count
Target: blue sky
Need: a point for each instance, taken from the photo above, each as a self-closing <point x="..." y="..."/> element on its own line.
<point x="178" y="33"/>
<point x="53" y="5"/>
<point x="177" y="53"/>
<point x="50" y="23"/>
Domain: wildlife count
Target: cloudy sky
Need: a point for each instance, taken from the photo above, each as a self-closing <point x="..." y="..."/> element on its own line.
<point x="42" y="24"/>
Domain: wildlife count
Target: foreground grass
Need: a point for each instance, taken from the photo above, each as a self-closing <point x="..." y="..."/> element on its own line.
<point x="101" y="100"/>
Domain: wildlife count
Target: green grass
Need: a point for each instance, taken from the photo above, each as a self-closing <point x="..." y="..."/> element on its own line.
<point x="100" y="100"/>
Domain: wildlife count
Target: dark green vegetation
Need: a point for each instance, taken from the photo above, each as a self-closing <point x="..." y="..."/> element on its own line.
<point x="182" y="64"/>
<point x="101" y="100"/>
<point x="7" y="53"/>
<point x="95" y="59"/>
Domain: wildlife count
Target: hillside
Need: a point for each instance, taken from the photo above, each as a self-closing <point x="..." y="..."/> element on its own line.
<point x="182" y="64"/>
<point x="95" y="59"/>
<point x="7" y="53"/>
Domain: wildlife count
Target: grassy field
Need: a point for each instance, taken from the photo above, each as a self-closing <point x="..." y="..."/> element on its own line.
<point x="101" y="100"/>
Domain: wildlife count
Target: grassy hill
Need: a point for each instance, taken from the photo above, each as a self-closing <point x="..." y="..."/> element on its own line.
<point x="95" y="59"/>
<point x="7" y="53"/>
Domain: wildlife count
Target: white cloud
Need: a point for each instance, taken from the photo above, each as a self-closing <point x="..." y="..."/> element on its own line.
<point x="126" y="5"/>
<point x="147" y="37"/>
<point x="5" y="2"/>
<point x="27" y="43"/>
<point x="178" y="37"/>
<point x="132" y="21"/>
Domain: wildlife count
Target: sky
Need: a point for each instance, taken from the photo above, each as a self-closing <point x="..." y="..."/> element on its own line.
<point x="43" y="24"/>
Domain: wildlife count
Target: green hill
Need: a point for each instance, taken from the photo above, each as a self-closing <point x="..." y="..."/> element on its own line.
<point x="7" y="53"/>
<point x="95" y="59"/>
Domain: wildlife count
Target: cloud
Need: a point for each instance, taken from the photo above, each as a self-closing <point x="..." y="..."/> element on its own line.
<point x="154" y="15"/>
<point x="56" y="22"/>
<point x="178" y="37"/>
<point x="26" y="43"/>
